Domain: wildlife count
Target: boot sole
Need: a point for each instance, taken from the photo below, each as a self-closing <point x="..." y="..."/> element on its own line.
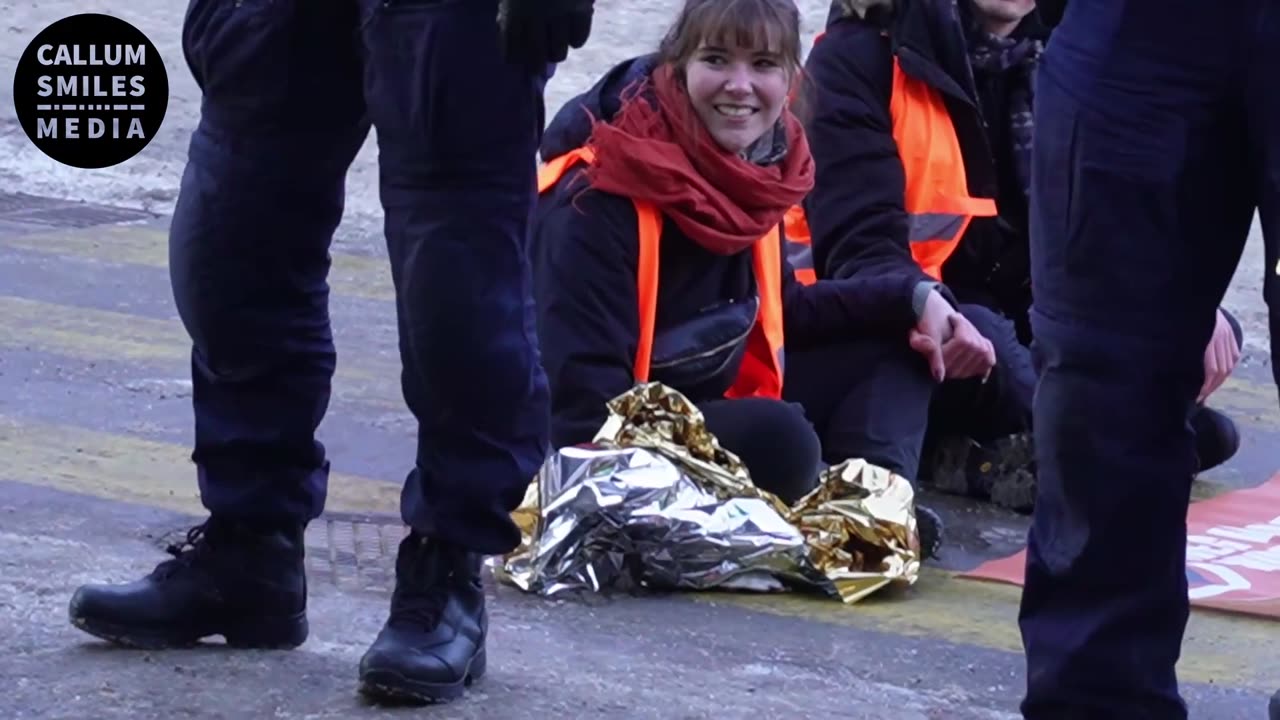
<point x="385" y="685"/>
<point x="261" y="634"/>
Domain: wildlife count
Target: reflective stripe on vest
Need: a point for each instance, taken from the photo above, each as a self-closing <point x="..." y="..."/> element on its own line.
<point x="937" y="200"/>
<point x="761" y="372"/>
<point x="799" y="250"/>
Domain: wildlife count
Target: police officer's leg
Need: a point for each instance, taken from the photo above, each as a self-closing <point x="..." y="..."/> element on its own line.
<point x="1264" y="139"/>
<point x="458" y="131"/>
<point x="1264" y="133"/>
<point x="281" y="119"/>
<point x="1139" y="218"/>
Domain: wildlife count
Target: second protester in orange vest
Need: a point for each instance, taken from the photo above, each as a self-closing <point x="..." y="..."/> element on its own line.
<point x="658" y="248"/>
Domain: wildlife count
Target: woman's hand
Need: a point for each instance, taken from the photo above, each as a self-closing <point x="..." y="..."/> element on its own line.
<point x="932" y="332"/>
<point x="1220" y="357"/>
<point x="967" y="354"/>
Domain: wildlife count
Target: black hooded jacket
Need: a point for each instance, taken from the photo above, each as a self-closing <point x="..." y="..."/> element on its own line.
<point x="856" y="213"/>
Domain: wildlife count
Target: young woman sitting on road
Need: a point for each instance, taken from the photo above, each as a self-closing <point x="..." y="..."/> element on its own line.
<point x="658" y="251"/>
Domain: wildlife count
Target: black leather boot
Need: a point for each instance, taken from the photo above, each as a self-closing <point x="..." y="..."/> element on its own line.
<point x="246" y="584"/>
<point x="433" y="644"/>
<point x="1217" y="439"/>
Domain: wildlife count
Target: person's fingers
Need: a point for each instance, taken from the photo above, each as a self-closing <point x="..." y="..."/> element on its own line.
<point x="1227" y="358"/>
<point x="925" y="345"/>
<point x="1212" y="373"/>
<point x="963" y="362"/>
<point x="951" y="352"/>
<point x="1225" y="363"/>
<point x="967" y="356"/>
<point x="976" y="366"/>
<point x="918" y="341"/>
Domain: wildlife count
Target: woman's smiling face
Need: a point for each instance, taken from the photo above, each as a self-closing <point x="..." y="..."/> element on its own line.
<point x="737" y="92"/>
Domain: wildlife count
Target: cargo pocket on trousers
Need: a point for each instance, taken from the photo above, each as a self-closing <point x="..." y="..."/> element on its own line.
<point x="1125" y="235"/>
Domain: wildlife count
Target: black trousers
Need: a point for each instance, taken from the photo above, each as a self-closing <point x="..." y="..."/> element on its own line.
<point x="875" y="399"/>
<point x="772" y="438"/>
<point x="290" y="91"/>
<point x="1150" y="163"/>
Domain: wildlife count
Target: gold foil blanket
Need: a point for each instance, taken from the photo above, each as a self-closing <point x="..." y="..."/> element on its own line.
<point x="654" y="500"/>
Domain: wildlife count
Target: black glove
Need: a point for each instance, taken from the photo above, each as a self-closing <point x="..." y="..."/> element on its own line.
<point x="542" y="31"/>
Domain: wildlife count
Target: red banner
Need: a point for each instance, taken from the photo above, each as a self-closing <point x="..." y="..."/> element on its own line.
<point x="1233" y="553"/>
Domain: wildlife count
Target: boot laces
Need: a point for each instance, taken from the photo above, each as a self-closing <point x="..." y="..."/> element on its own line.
<point x="186" y="553"/>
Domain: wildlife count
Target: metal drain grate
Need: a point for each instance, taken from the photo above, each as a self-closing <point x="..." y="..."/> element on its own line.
<point x="355" y="552"/>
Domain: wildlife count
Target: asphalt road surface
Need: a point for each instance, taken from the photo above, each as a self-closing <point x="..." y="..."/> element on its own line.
<point x="94" y="475"/>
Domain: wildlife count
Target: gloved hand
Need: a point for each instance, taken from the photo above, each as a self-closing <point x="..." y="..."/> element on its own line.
<point x="542" y="31"/>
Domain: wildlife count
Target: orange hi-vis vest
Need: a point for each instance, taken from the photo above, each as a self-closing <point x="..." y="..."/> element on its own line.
<point x="937" y="193"/>
<point x="760" y="374"/>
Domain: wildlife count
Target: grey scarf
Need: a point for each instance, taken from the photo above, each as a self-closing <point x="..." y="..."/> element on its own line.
<point x="1017" y="59"/>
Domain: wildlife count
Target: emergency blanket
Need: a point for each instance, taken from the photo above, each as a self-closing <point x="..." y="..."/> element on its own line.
<point x="1233" y="553"/>
<point x="655" y="502"/>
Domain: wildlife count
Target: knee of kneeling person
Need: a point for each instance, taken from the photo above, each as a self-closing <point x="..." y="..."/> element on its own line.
<point x="773" y="439"/>
<point x="993" y="326"/>
<point x="797" y="454"/>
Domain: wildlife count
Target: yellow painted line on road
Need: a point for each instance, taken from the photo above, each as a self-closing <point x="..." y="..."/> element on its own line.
<point x="356" y="276"/>
<point x="1227" y="650"/>
<point x="93" y="335"/>
<point x="131" y="469"/>
<point x="1220" y="649"/>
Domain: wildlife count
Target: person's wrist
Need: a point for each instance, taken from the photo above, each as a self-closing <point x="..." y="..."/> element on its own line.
<point x="920" y="297"/>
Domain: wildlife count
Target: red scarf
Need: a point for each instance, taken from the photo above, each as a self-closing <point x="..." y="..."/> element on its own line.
<point x="722" y="201"/>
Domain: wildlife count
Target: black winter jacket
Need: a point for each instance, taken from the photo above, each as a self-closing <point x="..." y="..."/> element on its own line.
<point x="856" y="213"/>
<point x="585" y="251"/>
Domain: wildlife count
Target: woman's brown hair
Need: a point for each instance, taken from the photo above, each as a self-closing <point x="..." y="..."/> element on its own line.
<point x="774" y="24"/>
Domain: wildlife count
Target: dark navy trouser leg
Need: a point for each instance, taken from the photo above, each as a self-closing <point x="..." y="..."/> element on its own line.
<point x="1140" y="211"/>
<point x="281" y="119"/>
<point x="458" y="131"/>
<point x="1263" y="110"/>
<point x="1002" y="405"/>
<point x="867" y="398"/>
<point x="290" y="90"/>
